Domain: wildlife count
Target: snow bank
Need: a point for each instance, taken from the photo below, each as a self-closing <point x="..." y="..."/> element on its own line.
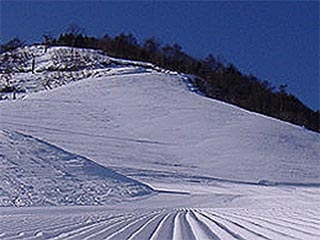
<point x="35" y="173"/>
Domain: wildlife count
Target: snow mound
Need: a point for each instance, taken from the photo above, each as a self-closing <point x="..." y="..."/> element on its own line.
<point x="35" y="173"/>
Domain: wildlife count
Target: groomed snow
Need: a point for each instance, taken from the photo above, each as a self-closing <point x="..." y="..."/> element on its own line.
<point x="147" y="220"/>
<point x="219" y="172"/>
<point x="151" y="122"/>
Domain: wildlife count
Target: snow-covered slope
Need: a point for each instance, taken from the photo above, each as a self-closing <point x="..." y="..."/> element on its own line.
<point x="35" y="173"/>
<point x="32" y="69"/>
<point x="148" y="124"/>
<point x="210" y="163"/>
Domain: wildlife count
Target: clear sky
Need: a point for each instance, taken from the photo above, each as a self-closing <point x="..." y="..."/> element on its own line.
<point x="275" y="41"/>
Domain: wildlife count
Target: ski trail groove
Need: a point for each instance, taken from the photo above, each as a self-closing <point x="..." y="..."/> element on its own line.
<point x="294" y="230"/>
<point x="263" y="227"/>
<point x="241" y="227"/>
<point x="83" y="231"/>
<point x="162" y="227"/>
<point x="223" y="227"/>
<point x="117" y="232"/>
<point x="140" y="230"/>
<point x="201" y="230"/>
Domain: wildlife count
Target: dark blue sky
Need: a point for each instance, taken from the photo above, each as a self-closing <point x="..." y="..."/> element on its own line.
<point x="276" y="41"/>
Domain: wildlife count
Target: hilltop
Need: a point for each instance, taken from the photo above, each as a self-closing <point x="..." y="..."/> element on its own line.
<point x="215" y="78"/>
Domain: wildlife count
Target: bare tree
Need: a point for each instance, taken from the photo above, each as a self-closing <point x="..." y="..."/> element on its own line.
<point x="47" y="40"/>
<point x="74" y="30"/>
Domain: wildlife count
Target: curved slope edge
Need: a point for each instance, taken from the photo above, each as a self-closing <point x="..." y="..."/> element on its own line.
<point x="35" y="173"/>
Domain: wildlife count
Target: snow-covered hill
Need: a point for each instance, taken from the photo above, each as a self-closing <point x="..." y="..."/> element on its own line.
<point x="147" y="123"/>
<point x="32" y="69"/>
<point x="218" y="171"/>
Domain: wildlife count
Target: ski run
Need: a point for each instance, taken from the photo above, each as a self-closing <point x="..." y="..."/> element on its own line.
<point x="94" y="147"/>
<point x="177" y="223"/>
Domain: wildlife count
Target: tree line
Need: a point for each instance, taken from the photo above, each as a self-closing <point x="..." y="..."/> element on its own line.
<point x="213" y="77"/>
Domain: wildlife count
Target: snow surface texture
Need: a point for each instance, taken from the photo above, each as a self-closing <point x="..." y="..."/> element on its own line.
<point x="180" y="223"/>
<point x="144" y="121"/>
<point x="56" y="67"/>
<point x="34" y="173"/>
<point x="219" y="172"/>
